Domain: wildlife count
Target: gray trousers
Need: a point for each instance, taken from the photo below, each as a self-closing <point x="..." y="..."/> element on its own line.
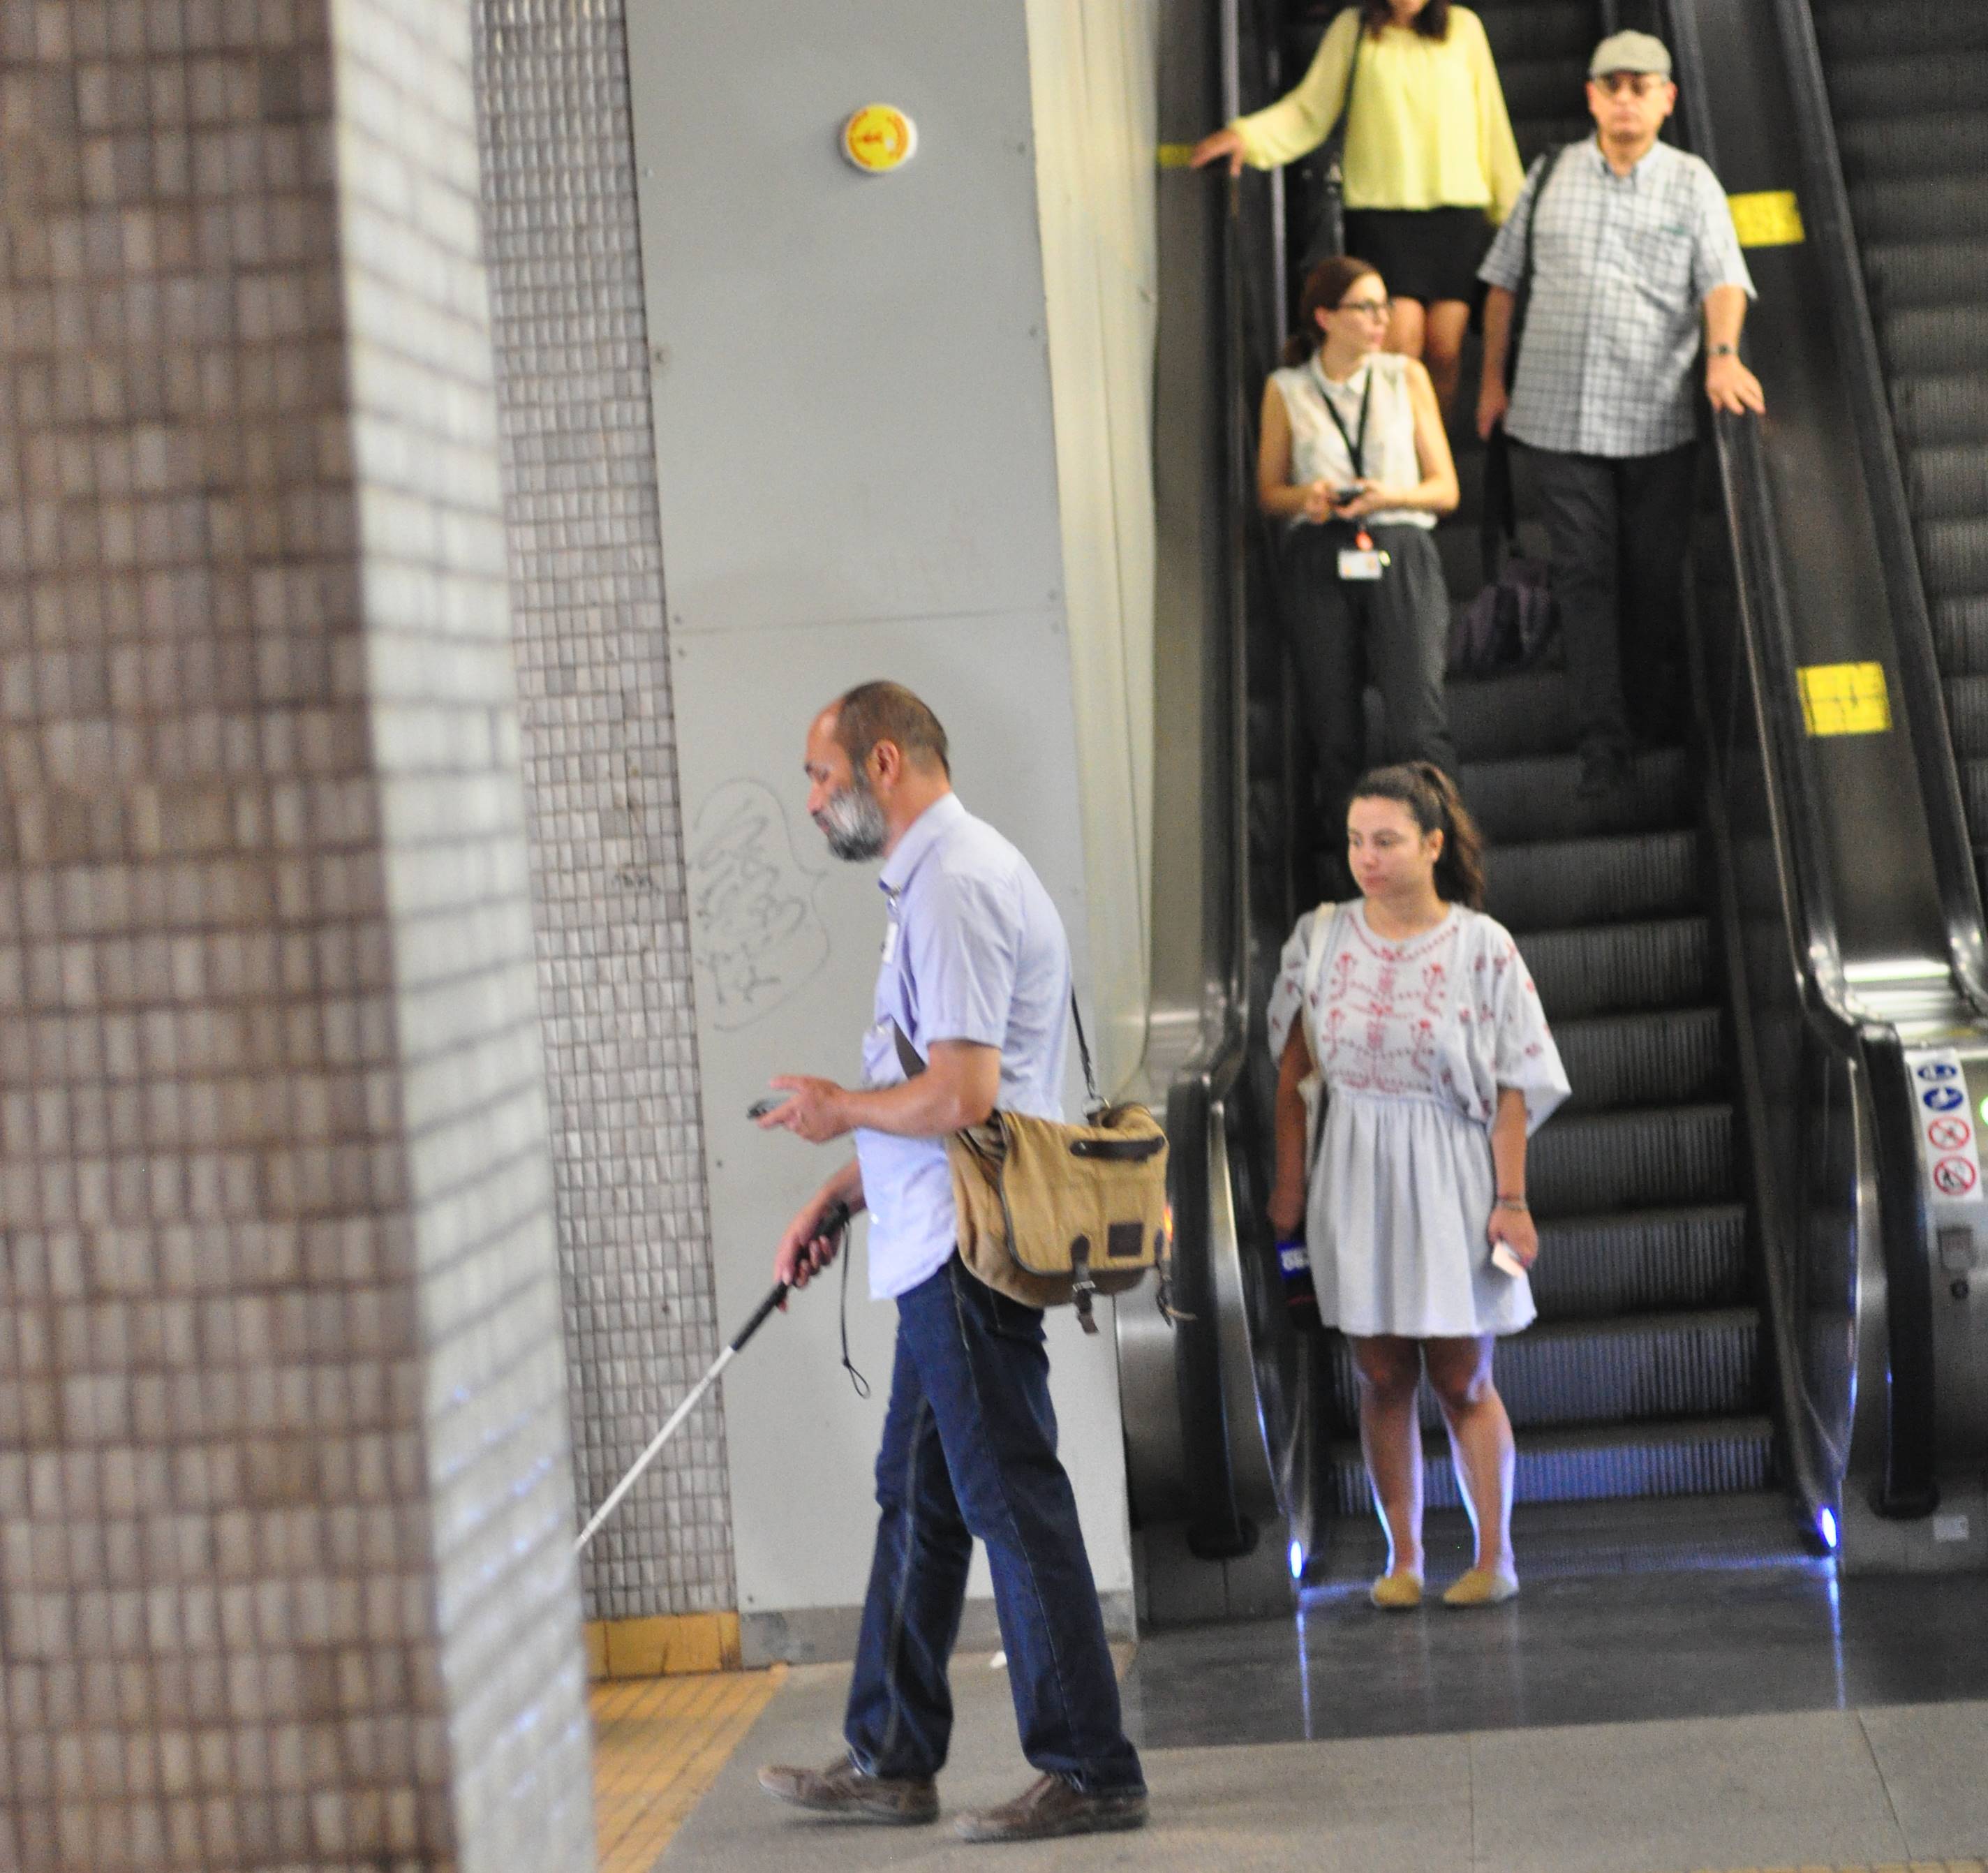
<point x="1392" y="632"/>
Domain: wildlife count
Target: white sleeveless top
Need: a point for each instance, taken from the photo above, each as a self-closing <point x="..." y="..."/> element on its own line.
<point x="1318" y="450"/>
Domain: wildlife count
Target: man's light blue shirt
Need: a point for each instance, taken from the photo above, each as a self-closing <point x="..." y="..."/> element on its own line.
<point x="973" y="951"/>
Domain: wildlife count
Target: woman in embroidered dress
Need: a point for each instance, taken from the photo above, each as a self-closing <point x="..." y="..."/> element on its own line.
<point x="1420" y="1017"/>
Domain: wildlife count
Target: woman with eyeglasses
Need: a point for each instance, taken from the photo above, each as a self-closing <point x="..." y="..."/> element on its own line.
<point x="1354" y="458"/>
<point x="1431" y="164"/>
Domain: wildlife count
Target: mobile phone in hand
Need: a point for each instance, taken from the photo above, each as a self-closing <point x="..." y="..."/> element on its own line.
<point x="1504" y="1256"/>
<point x="773" y="1102"/>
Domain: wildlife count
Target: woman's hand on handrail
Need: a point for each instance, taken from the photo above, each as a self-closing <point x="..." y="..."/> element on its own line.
<point x="1217" y="144"/>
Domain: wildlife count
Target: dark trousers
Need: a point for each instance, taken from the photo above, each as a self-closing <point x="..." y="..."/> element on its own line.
<point x="1620" y="531"/>
<point x="969" y="1449"/>
<point x="1393" y="632"/>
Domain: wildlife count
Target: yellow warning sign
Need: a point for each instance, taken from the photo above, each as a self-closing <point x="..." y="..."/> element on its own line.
<point x="1845" y="699"/>
<point x="1176" y="155"/>
<point x="1771" y="218"/>
<point x="879" y="138"/>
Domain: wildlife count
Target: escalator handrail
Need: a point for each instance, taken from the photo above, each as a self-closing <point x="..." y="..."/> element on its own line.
<point x="1766" y="623"/>
<point x="1832" y="232"/>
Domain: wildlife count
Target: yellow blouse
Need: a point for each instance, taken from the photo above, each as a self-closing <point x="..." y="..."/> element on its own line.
<point x="1428" y="128"/>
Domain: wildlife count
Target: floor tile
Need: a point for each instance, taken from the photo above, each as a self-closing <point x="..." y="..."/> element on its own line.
<point x="1934" y="1760"/>
<point x="1645" y="1797"/>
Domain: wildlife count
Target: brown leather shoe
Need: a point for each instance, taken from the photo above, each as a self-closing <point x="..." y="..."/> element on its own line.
<point x="843" y="1789"/>
<point x="1049" y="1807"/>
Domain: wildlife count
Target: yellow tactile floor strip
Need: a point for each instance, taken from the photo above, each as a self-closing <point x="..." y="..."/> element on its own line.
<point x="1884" y="1866"/>
<point x="658" y="1744"/>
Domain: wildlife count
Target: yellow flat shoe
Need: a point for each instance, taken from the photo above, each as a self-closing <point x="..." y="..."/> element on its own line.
<point x="1481" y="1586"/>
<point x="1396" y="1593"/>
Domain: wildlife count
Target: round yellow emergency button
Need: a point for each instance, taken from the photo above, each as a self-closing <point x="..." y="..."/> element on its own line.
<point x="879" y="138"/>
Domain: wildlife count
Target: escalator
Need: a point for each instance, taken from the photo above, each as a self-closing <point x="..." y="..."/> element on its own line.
<point x="1908" y="90"/>
<point x="1739" y="1247"/>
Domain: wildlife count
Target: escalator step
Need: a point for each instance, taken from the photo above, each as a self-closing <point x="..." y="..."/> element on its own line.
<point x="1960" y="636"/>
<point x="1615" y="966"/>
<point x="1901" y="274"/>
<point x="1879" y="150"/>
<point x="1592" y="1266"/>
<point x="1922" y="207"/>
<point x="1539" y="29"/>
<point x="1950" y="482"/>
<point x="1661" y="1366"/>
<point x="1492" y="719"/>
<point x="1952" y="407"/>
<point x="1558" y="883"/>
<point x="1849" y="29"/>
<point x="1952" y="77"/>
<point x="1588" y="1163"/>
<point x="1670" y="1057"/>
<point x="1953" y="554"/>
<point x="1967" y="714"/>
<point x="1722" y="1457"/>
<point x="1535" y="797"/>
<point x="1933" y="340"/>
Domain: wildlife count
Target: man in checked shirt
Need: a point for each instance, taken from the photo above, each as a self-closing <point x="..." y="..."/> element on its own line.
<point x="1635" y="248"/>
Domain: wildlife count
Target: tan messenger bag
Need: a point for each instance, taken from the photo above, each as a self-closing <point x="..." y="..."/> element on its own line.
<point x="1052" y="1214"/>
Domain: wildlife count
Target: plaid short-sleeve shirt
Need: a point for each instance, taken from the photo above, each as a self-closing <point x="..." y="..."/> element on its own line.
<point x="1621" y="266"/>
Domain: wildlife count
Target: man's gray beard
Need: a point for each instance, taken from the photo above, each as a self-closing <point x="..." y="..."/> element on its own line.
<point x="852" y="823"/>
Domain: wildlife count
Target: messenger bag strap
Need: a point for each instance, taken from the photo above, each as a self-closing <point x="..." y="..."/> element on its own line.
<point x="912" y="1062"/>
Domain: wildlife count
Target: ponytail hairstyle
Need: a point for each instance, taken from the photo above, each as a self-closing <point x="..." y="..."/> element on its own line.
<point x="1435" y="805"/>
<point x="1432" y="22"/>
<point x="1326" y="285"/>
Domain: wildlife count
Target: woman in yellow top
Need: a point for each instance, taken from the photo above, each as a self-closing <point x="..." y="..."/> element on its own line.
<point x="1431" y="164"/>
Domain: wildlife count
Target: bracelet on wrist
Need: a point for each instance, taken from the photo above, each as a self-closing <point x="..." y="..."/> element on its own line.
<point x="1722" y="350"/>
<point x="1517" y="1203"/>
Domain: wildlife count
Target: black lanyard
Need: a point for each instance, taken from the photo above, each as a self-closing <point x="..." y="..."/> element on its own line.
<point x="1356" y="452"/>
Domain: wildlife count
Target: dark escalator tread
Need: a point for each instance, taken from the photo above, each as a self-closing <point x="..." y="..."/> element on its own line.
<point x="1905" y="273"/>
<point x="1721" y="1457"/>
<point x="1493" y="718"/>
<point x="1908" y="85"/>
<point x="1878" y="150"/>
<point x="1539" y="29"/>
<point x="1967" y="714"/>
<point x="1670" y="1057"/>
<point x="1953" y="555"/>
<point x="1590" y="1267"/>
<point x="1536" y="796"/>
<point x="1939" y="407"/>
<point x="1558" y="885"/>
<point x="1950" y="482"/>
<point x="1960" y="635"/>
<point x="1586" y="1164"/>
<point x="1849" y="30"/>
<point x="1921" y="207"/>
<point x="1933" y="341"/>
<point x="1617" y="966"/>
<point x="1611" y="1372"/>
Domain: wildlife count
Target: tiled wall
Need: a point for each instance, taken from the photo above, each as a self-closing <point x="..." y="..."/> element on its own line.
<point x="284" y="1499"/>
<point x="587" y="604"/>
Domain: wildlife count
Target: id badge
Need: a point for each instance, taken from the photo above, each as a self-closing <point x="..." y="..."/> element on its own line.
<point x="889" y="942"/>
<point x="1361" y="562"/>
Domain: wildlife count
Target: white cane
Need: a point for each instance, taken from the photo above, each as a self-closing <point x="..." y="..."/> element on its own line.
<point x="834" y="1219"/>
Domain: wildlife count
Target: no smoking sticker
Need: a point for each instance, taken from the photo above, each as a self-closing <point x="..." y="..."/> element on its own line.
<point x="1948" y="1134"/>
<point x="1953" y="1177"/>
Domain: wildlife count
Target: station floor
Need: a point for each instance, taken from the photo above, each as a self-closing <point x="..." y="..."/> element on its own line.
<point x="1719" y="1718"/>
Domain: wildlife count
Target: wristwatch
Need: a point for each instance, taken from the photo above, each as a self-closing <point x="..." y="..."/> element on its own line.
<point x="1722" y="350"/>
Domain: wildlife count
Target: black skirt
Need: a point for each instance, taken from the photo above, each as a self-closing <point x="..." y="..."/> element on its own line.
<point x="1425" y="253"/>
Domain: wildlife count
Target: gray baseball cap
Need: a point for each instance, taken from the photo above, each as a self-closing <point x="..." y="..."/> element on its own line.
<point x="1629" y="52"/>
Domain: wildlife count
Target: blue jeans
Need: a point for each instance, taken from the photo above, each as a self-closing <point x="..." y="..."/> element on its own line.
<point x="969" y="1449"/>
